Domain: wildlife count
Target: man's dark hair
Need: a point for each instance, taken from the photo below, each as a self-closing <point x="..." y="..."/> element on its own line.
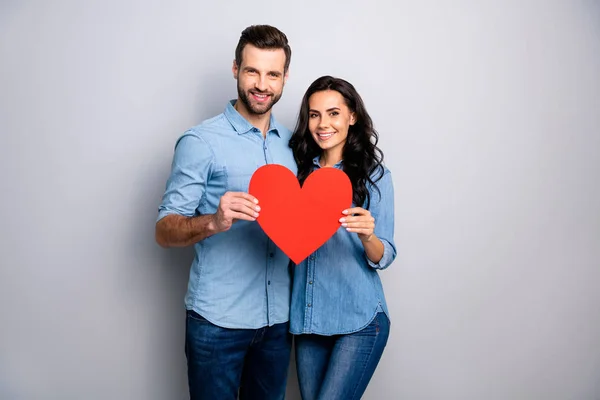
<point x="263" y="37"/>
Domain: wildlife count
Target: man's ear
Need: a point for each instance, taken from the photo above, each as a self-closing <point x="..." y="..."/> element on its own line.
<point x="286" y="76"/>
<point x="234" y="69"/>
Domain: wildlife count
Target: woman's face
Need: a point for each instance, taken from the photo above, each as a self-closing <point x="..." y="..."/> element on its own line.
<point x="329" y="119"/>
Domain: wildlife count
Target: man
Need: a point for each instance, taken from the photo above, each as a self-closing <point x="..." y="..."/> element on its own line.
<point x="239" y="288"/>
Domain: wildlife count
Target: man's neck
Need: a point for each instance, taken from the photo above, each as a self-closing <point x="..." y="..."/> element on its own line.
<point x="260" y="121"/>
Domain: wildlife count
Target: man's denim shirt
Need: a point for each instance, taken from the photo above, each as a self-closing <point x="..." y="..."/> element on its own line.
<point x="337" y="289"/>
<point x="239" y="278"/>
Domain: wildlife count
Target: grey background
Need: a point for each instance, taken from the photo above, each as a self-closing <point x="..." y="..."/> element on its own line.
<point x="489" y="116"/>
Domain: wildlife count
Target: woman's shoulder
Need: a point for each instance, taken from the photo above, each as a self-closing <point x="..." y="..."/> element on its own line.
<point x="380" y="173"/>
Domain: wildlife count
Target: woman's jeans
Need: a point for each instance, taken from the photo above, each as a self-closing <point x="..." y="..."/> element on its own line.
<point x="340" y="366"/>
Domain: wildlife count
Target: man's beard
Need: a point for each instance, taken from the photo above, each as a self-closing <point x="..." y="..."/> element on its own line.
<point x="257" y="109"/>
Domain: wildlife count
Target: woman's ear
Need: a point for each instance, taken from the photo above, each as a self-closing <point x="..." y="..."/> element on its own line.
<point x="352" y="118"/>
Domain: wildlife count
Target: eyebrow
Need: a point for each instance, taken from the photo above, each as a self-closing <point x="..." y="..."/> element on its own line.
<point x="329" y="109"/>
<point x="249" y="68"/>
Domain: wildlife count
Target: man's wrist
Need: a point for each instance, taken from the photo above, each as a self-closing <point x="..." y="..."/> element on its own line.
<point x="212" y="226"/>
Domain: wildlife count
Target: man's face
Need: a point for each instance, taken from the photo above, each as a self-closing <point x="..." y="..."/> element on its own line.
<point x="260" y="78"/>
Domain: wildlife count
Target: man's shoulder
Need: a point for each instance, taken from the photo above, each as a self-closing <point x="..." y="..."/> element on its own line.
<point x="210" y="125"/>
<point x="205" y="131"/>
<point x="210" y="129"/>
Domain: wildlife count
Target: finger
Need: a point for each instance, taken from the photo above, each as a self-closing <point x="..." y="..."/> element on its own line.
<point x="361" y="225"/>
<point x="365" y="232"/>
<point x="246" y="208"/>
<point x="354" y="210"/>
<point x="243" y="195"/>
<point x="238" y="215"/>
<point x="358" y="218"/>
<point x="243" y="209"/>
<point x="239" y="201"/>
<point x="361" y="219"/>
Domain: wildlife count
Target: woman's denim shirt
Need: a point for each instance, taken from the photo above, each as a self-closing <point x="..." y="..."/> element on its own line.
<point x="337" y="290"/>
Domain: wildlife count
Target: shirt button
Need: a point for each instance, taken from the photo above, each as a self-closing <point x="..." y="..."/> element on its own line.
<point x="272" y="255"/>
<point x="269" y="282"/>
<point x="310" y="282"/>
<point x="310" y="305"/>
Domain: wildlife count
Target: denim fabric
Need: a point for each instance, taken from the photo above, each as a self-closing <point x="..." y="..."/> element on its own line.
<point x="340" y="367"/>
<point x="221" y="360"/>
<point x="337" y="289"/>
<point x="239" y="278"/>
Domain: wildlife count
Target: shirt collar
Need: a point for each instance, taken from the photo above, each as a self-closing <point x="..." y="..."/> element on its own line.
<point x="241" y="124"/>
<point x="318" y="165"/>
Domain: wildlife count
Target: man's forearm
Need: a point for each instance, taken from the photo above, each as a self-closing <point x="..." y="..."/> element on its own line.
<point x="179" y="231"/>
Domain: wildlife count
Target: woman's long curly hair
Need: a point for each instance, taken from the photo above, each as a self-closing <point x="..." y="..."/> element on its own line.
<point x="362" y="159"/>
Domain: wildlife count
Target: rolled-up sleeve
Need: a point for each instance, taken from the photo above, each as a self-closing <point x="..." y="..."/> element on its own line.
<point x="190" y="171"/>
<point x="382" y="209"/>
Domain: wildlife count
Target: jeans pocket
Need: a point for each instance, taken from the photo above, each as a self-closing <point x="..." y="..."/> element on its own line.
<point x="199" y="337"/>
<point x="195" y="316"/>
<point x="383" y="325"/>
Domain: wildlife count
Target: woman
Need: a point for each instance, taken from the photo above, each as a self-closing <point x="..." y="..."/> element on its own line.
<point x="338" y="312"/>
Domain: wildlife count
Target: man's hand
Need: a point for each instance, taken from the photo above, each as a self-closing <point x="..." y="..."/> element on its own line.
<point x="178" y="231"/>
<point x="234" y="206"/>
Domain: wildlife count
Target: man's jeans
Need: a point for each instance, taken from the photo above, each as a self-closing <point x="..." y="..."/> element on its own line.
<point x="340" y="367"/>
<point x="222" y="360"/>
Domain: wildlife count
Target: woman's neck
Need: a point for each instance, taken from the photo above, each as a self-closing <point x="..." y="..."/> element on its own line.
<point x="330" y="157"/>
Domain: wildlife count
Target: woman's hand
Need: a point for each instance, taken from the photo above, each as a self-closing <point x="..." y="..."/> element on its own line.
<point x="359" y="220"/>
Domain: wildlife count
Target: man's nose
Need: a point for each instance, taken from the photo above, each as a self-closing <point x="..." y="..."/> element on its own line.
<point x="261" y="83"/>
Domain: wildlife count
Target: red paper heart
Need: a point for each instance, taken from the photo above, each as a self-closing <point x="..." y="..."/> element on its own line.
<point x="299" y="220"/>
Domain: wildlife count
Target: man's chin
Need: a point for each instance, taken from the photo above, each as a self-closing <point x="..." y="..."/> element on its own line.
<point x="260" y="109"/>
